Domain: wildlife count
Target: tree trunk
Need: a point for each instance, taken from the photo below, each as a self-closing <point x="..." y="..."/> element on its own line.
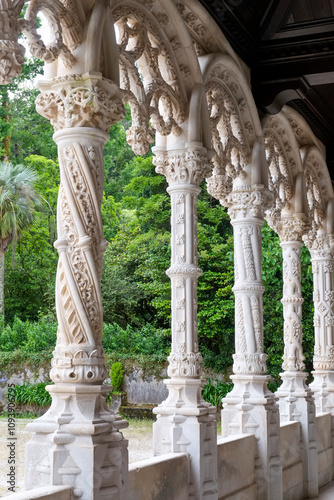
<point x="2" y="287"/>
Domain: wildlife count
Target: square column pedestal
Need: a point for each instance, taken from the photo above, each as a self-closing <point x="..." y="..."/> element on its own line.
<point x="78" y="442"/>
<point x="250" y="408"/>
<point x="186" y="423"/>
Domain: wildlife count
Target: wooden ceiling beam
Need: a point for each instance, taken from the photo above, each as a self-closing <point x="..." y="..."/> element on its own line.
<point x="275" y="17"/>
<point x="319" y="67"/>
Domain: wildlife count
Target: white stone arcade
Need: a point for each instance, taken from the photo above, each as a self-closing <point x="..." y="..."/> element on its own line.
<point x="191" y="94"/>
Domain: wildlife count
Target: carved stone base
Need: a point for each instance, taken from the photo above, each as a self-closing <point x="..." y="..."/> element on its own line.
<point x="296" y="403"/>
<point x="323" y="389"/>
<point x="250" y="408"/>
<point x="78" y="442"/>
<point x="186" y="423"/>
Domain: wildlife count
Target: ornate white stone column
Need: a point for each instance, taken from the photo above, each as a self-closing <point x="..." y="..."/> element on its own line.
<point x="296" y="400"/>
<point x="321" y="247"/>
<point x="250" y="407"/>
<point x="78" y="442"/>
<point x="185" y="422"/>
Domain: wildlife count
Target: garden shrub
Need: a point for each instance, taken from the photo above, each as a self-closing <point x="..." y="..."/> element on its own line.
<point x="32" y="394"/>
<point x="214" y="391"/>
<point x="117" y="376"/>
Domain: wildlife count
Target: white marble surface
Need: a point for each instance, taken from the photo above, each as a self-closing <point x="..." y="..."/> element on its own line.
<point x="327" y="492"/>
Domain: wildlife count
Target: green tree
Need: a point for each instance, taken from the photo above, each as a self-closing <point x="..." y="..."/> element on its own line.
<point x="17" y="205"/>
<point x="30" y="286"/>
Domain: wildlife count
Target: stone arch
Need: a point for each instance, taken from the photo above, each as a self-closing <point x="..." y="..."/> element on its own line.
<point x="318" y="186"/>
<point x="206" y="35"/>
<point x="158" y="68"/>
<point x="284" y="167"/>
<point x="234" y="122"/>
<point x="319" y="189"/>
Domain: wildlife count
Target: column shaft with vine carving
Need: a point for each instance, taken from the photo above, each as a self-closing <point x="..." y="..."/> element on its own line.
<point x="83" y="436"/>
<point x="293" y="359"/>
<point x="245" y="206"/>
<point x="250" y="407"/>
<point x="296" y="400"/>
<point x="321" y="249"/>
<point x="185" y="410"/>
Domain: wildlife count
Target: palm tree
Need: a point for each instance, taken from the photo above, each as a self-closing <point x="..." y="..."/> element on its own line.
<point x="17" y="204"/>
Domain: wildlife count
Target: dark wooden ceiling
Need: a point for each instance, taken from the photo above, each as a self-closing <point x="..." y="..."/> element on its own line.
<point x="289" y="46"/>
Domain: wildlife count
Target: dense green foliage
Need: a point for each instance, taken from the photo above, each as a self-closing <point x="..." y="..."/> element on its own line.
<point x="32" y="394"/>
<point x="117" y="376"/>
<point x="214" y="391"/>
<point x="135" y="288"/>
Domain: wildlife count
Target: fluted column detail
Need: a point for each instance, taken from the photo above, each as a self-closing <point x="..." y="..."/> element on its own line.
<point x="185" y="422"/>
<point x="84" y="445"/>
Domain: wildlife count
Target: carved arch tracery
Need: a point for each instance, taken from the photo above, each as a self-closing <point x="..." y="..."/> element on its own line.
<point x="157" y="73"/>
<point x="318" y="186"/>
<point x="283" y="164"/>
<point x="234" y="122"/>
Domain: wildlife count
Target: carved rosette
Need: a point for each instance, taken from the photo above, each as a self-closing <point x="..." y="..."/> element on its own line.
<point x="81" y="108"/>
<point x="321" y="247"/>
<point x="184" y="172"/>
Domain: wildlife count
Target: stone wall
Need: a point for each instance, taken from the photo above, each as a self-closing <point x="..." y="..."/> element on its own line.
<point x="143" y="386"/>
<point x="293" y="487"/>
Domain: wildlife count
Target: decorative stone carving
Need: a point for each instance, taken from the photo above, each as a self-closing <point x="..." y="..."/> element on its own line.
<point x="80" y="101"/>
<point x="93" y="103"/>
<point x="151" y="76"/>
<point x="290" y="229"/>
<point x="66" y="30"/>
<point x="250" y="407"/>
<point x="293" y="358"/>
<point x="190" y="167"/>
<point x="248" y="201"/>
<point x="82" y="435"/>
<point x="184" y="171"/>
<point x="246" y="206"/>
<point x="321" y="247"/>
<point x="185" y="422"/>
<point x="68" y="444"/>
<point x="11" y="52"/>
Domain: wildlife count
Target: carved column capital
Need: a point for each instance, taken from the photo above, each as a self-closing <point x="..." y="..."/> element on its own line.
<point x="289" y="229"/>
<point x="248" y="201"/>
<point x="321" y="246"/>
<point x="184" y="171"/>
<point x="219" y="185"/>
<point x="87" y="100"/>
<point x="190" y="166"/>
